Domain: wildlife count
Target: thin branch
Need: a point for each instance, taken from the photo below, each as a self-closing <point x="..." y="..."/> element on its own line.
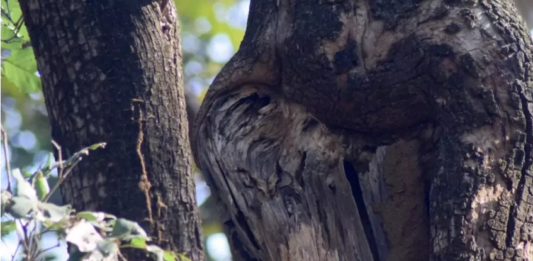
<point x="21" y="239"/>
<point x="42" y="251"/>
<point x="8" y="9"/>
<point x="6" y="157"/>
<point x="122" y="258"/>
<point x="29" y="239"/>
<point x="18" y="25"/>
<point x="61" y="178"/>
<point x="7" y="14"/>
<point x="35" y="237"/>
<point x="66" y="167"/>
<point x="60" y="156"/>
<point x="15" y="253"/>
<point x="59" y="172"/>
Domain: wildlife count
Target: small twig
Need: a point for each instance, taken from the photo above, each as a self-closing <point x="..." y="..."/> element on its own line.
<point x="15" y="254"/>
<point x="7" y="15"/>
<point x="33" y="243"/>
<point x="58" y="148"/>
<point x="16" y="251"/>
<point x="64" y="171"/>
<point x="18" y="25"/>
<point x="59" y="172"/>
<point x="29" y="240"/>
<point x="61" y="178"/>
<point x="121" y="256"/>
<point x="6" y="157"/>
<point x="8" y="9"/>
<point x="20" y="236"/>
<point x="35" y="237"/>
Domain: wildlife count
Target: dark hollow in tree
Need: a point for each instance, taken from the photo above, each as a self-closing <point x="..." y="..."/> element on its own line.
<point x="374" y="130"/>
<point x="111" y="72"/>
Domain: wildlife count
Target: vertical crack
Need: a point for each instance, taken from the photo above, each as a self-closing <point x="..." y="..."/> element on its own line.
<point x="357" y="194"/>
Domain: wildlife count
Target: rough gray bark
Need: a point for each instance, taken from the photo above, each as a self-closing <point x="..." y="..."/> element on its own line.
<point x="374" y="130"/>
<point x="111" y="72"/>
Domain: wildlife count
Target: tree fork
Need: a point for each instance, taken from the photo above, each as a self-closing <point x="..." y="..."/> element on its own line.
<point x="426" y="103"/>
<point x="111" y="72"/>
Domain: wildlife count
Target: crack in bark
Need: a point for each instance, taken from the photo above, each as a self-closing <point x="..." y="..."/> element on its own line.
<point x="353" y="179"/>
<point x="241" y="220"/>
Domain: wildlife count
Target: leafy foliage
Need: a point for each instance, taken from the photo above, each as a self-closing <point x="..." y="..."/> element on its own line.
<point x="19" y="67"/>
<point x="93" y="235"/>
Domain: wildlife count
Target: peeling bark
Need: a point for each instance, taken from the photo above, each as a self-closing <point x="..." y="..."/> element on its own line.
<point x="111" y="72"/>
<point x="374" y="130"/>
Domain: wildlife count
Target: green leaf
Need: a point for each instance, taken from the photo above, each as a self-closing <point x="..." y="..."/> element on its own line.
<point x="21" y="206"/>
<point x="157" y="251"/>
<point x="47" y="167"/>
<point x="8" y="227"/>
<point x="97" y="145"/>
<point x="126" y="230"/>
<point x="20" y="69"/>
<point x="23" y="188"/>
<point x="88" y="215"/>
<point x="27" y="174"/>
<point x="122" y="227"/>
<point x="109" y="216"/>
<point x="53" y="212"/>
<point x="41" y="185"/>
<point x="97" y="219"/>
<point x="169" y="256"/>
<point x="165" y="254"/>
<point x="11" y="38"/>
<point x="139" y="243"/>
<point x="59" y="226"/>
<point x="107" y="247"/>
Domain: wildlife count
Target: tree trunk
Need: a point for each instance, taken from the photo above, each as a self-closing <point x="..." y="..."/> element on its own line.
<point x="374" y="130"/>
<point x="111" y="72"/>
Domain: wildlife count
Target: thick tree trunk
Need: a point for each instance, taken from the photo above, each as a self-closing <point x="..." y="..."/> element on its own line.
<point x="111" y="72"/>
<point x="374" y="130"/>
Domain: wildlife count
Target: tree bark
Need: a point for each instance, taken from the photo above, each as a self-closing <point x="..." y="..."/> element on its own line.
<point x="374" y="130"/>
<point x="111" y="72"/>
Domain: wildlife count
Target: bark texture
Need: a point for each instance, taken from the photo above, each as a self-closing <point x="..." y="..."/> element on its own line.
<point x="374" y="130"/>
<point x="111" y="72"/>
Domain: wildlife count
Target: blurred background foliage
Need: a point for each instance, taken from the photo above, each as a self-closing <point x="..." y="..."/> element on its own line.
<point x="211" y="31"/>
